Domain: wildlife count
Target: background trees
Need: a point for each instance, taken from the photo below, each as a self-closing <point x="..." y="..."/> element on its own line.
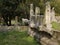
<point x="8" y="10"/>
<point x="11" y="8"/>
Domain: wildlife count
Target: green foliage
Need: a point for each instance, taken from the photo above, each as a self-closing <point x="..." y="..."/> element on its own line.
<point x="56" y="4"/>
<point x="23" y="5"/>
<point x="56" y="25"/>
<point x="16" y="38"/>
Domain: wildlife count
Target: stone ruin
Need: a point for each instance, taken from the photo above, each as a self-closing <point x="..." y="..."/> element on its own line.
<point x="37" y="20"/>
<point x="53" y="17"/>
<point x="42" y="22"/>
<point x="49" y="16"/>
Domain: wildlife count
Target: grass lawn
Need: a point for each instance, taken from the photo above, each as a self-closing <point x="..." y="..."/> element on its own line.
<point x="16" y="38"/>
<point x="56" y="25"/>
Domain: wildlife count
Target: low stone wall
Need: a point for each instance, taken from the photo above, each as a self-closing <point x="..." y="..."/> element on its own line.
<point x="17" y="28"/>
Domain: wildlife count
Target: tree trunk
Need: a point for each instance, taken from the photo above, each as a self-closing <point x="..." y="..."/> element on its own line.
<point x="10" y="21"/>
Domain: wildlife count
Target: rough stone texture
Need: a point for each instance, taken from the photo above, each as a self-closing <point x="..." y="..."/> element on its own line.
<point x="53" y="17"/>
<point x="56" y="35"/>
<point x="48" y="16"/>
<point x="6" y="28"/>
<point x="58" y="19"/>
<point x="42" y="36"/>
<point x="49" y="41"/>
<point x="32" y="17"/>
<point x="9" y="28"/>
<point x="37" y="11"/>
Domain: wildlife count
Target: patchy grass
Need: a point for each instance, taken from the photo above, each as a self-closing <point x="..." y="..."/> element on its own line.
<point x="56" y="25"/>
<point x="16" y="38"/>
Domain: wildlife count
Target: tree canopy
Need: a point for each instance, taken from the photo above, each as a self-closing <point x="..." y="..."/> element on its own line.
<point x="11" y="8"/>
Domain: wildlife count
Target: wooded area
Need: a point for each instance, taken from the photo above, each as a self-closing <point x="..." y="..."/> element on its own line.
<point x="11" y="8"/>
